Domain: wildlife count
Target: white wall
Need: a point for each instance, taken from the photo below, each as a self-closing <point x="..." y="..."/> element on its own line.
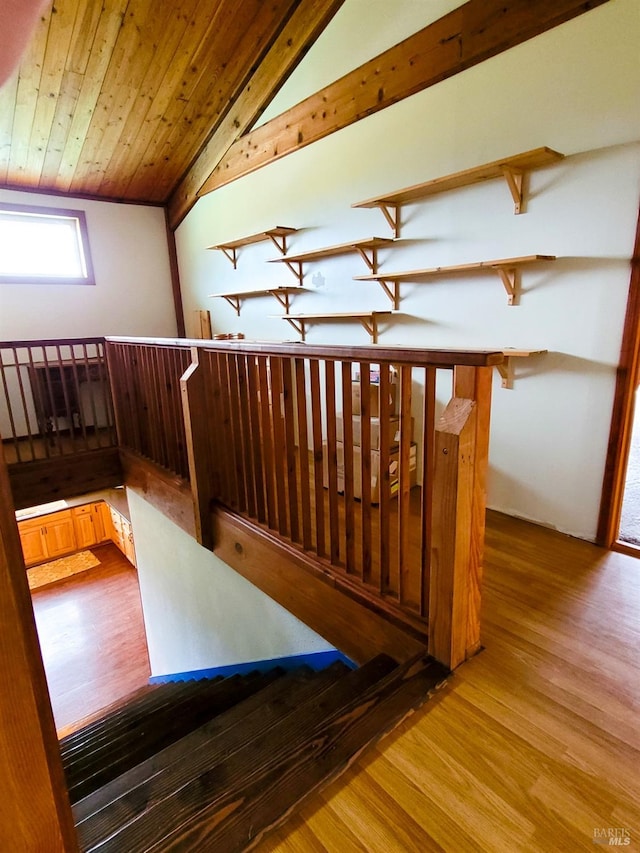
<point x="199" y="613"/>
<point x="575" y="89"/>
<point x="132" y="294"/>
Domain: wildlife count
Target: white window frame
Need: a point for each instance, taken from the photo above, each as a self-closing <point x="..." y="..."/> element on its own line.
<point x="78" y="219"/>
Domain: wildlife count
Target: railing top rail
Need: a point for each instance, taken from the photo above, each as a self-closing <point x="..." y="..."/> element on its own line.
<point x="50" y="343"/>
<point x="335" y="352"/>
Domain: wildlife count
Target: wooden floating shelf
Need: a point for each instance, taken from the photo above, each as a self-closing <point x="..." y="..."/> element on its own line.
<point x="282" y="294"/>
<point x="506" y="268"/>
<point x="278" y="236"/>
<point x="506" y="369"/>
<point x="367" y="249"/>
<point x="367" y="319"/>
<point x="512" y="169"/>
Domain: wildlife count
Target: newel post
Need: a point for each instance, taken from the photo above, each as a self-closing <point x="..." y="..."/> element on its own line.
<point x="197" y="428"/>
<point x="459" y="505"/>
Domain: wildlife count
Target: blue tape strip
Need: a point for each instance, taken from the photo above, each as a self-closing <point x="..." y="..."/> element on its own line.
<point x="314" y="660"/>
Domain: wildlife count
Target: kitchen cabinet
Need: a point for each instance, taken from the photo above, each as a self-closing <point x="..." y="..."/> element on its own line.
<point x="122" y="534"/>
<point x="60" y="533"/>
<point x="34" y="543"/>
<point x="47" y="537"/>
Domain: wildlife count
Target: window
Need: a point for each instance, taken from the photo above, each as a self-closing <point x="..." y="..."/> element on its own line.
<point x="44" y="245"/>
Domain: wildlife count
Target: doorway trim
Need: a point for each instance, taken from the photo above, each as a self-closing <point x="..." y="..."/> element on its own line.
<point x="627" y="376"/>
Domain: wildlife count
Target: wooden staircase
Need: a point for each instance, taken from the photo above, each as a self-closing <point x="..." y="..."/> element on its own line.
<point x="212" y="766"/>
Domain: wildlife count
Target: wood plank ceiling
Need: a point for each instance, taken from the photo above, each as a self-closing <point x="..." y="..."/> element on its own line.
<point x="116" y="98"/>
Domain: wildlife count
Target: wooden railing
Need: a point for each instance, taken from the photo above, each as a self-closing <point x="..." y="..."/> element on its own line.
<point x="149" y="417"/>
<point x="55" y="399"/>
<point x="340" y="452"/>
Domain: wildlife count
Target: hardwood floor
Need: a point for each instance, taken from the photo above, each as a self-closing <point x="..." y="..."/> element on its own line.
<point x="92" y="638"/>
<point x="534" y="745"/>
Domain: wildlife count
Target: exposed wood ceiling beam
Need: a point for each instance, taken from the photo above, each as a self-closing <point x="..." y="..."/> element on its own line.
<point x="302" y="29"/>
<point x="465" y="37"/>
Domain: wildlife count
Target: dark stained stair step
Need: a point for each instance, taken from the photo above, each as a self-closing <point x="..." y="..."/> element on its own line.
<point x="96" y="764"/>
<point x="129" y="710"/>
<point x="192" y="694"/>
<point x="108" y="809"/>
<point x="245" y="812"/>
<point x="207" y="786"/>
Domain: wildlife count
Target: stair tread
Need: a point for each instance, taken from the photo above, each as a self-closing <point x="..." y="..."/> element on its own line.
<point x="111" y="732"/>
<point x="72" y="729"/>
<point x="103" y="811"/>
<point x="176" y="796"/>
<point x="154" y="732"/>
<point x="128" y="710"/>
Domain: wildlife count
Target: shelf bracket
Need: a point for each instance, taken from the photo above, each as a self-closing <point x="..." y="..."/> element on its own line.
<point x="506" y="372"/>
<point x="371" y="327"/>
<point x="232" y="255"/>
<point x="514" y="180"/>
<point x="392" y="289"/>
<point x="234" y="301"/>
<point x="296" y="269"/>
<point x="298" y="325"/>
<point x="509" y="278"/>
<point x="391" y="213"/>
<point x="507" y="368"/>
<point x="371" y="262"/>
<point x="283" y="299"/>
<point x="280" y="246"/>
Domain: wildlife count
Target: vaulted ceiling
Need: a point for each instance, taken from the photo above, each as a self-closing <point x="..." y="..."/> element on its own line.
<point x="116" y="98"/>
<point x="156" y="101"/>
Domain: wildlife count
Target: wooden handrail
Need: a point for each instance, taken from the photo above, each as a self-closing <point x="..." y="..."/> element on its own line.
<point x="50" y="342"/>
<point x="419" y="357"/>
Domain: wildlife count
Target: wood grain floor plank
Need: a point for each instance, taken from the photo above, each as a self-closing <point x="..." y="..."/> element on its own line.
<point x="534" y="744"/>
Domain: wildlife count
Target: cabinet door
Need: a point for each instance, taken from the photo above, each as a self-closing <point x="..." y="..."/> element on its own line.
<point x="34" y="545"/>
<point x="127" y="535"/>
<point x="98" y="522"/>
<point x="83" y="526"/>
<point x="107" y="522"/>
<point x="59" y="534"/>
<point x="116" y="521"/>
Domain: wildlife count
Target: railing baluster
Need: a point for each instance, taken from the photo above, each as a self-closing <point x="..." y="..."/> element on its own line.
<point x="407" y="595"/>
<point x="277" y="415"/>
<point x="349" y="508"/>
<point x="316" y="417"/>
<point x="218" y="450"/>
<point x="303" y="451"/>
<point x="82" y="420"/>
<point x="426" y="497"/>
<point x="365" y="468"/>
<point x="384" y="409"/>
<point x="23" y="400"/>
<point x="290" y="448"/>
<point x="267" y="443"/>
<point x="332" y="462"/>
<point x="236" y="431"/>
<point x="160" y="434"/>
<point x="12" y="424"/>
<point x="245" y="427"/>
<point x="255" y="440"/>
<point x="166" y="410"/>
